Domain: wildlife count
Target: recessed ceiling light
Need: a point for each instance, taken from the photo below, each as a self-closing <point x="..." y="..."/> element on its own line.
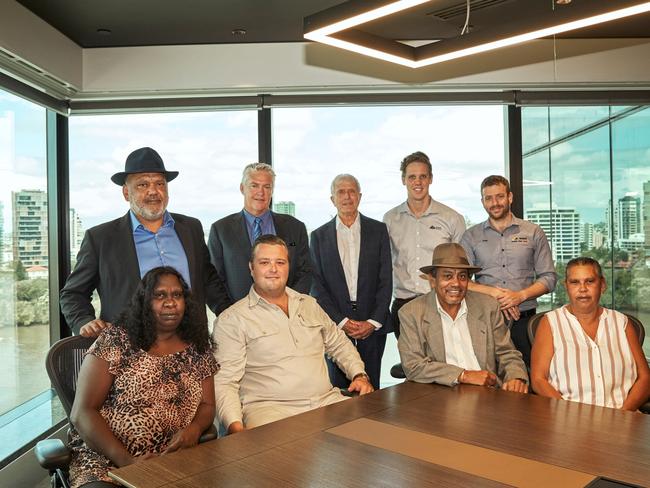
<point x="104" y="32"/>
<point x="238" y="32"/>
<point x="339" y="26"/>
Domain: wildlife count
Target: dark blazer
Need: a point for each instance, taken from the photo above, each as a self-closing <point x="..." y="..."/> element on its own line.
<point x="107" y="261"/>
<point x="421" y="342"/>
<point x="375" y="275"/>
<point x="230" y="250"/>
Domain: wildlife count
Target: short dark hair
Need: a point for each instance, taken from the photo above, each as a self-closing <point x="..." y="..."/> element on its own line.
<point x="495" y="180"/>
<point x="416" y="157"/>
<point x="267" y="239"/>
<point x="139" y="323"/>
<point x="584" y="261"/>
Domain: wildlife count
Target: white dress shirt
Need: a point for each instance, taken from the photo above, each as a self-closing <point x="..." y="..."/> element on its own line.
<point x="348" y="240"/>
<point x="459" y="350"/>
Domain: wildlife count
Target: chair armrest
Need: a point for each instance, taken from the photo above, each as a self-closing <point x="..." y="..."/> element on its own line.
<point x="52" y="454"/>
<point x="209" y="434"/>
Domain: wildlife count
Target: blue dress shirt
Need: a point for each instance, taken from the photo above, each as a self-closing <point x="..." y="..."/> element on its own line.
<point x="162" y="248"/>
<point x="267" y="224"/>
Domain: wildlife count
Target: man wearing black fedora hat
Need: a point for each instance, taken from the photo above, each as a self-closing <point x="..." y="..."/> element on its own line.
<point x="115" y="255"/>
<point x="452" y="335"/>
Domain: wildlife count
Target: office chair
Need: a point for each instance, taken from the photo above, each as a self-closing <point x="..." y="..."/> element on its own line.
<point x="534" y="321"/>
<point x="62" y="363"/>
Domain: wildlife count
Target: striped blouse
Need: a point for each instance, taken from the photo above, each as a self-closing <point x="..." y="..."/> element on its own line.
<point x="599" y="372"/>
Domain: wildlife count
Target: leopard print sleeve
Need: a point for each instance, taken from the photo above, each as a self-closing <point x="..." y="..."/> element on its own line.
<point x="110" y="346"/>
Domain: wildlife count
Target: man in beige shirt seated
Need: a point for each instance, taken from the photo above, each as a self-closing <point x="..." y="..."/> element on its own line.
<point x="271" y="346"/>
<point x="451" y="335"/>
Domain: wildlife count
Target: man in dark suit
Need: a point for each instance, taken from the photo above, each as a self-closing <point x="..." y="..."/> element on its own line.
<point x="353" y="277"/>
<point x="231" y="238"/>
<point x="115" y="255"/>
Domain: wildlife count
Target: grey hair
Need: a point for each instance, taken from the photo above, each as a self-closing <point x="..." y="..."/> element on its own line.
<point x="251" y="168"/>
<point x="338" y="178"/>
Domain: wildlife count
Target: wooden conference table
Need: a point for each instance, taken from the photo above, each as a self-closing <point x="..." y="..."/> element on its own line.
<point x="418" y="435"/>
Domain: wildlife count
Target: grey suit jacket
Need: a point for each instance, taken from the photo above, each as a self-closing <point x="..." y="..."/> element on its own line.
<point x="422" y="348"/>
<point x="230" y="250"/>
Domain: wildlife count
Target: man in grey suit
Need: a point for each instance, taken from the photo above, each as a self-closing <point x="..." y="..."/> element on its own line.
<point x="115" y="255"/>
<point x="231" y="238"/>
<point x="451" y="335"/>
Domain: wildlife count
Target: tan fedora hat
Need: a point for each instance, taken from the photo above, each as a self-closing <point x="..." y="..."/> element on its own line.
<point x="449" y="255"/>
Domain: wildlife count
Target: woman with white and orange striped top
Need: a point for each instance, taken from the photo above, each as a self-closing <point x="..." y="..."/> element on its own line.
<point x="587" y="353"/>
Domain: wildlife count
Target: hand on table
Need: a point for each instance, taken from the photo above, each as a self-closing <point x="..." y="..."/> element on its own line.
<point x="187" y="437"/>
<point x="479" y="378"/>
<point x="515" y="385"/>
<point x="361" y="384"/>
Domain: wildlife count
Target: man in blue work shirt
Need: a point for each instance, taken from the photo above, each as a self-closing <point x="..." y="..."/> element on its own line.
<point x="516" y="261"/>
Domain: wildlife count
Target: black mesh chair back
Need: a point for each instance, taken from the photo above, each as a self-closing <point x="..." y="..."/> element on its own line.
<point x="63" y="362"/>
<point x="638" y="327"/>
<point x="533" y="323"/>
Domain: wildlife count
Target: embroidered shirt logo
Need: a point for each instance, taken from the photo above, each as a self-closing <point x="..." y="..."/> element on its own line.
<point x="522" y="239"/>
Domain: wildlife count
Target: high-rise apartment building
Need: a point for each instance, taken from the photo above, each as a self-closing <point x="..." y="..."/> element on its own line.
<point x="76" y="233"/>
<point x="628" y="212"/>
<point x="288" y="208"/>
<point x="562" y="228"/>
<point x="29" y="210"/>
<point x="646" y="214"/>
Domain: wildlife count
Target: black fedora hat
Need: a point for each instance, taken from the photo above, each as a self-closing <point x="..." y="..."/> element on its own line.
<point x="143" y="160"/>
<point x="449" y="255"/>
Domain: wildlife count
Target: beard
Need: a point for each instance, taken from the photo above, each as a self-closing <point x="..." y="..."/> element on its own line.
<point x="147" y="213"/>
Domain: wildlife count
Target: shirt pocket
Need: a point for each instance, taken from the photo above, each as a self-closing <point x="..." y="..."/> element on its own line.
<point x="309" y="335"/>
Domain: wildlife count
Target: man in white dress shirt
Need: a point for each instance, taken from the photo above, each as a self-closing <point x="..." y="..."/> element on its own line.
<point x="271" y="346"/>
<point x="352" y="277"/>
<point x="452" y="335"/>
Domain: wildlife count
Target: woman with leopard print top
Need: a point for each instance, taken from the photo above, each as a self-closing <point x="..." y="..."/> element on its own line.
<point x="145" y="387"/>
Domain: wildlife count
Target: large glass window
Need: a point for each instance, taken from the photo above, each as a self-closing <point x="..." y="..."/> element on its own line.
<point x="313" y="145"/>
<point x="587" y="183"/>
<point x="24" y="301"/>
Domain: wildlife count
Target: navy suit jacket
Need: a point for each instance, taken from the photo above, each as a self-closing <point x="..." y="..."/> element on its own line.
<point x="230" y="250"/>
<point x="107" y="262"/>
<point x="375" y="275"/>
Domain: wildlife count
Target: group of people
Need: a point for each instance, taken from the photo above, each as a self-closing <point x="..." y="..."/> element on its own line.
<point x="303" y="323"/>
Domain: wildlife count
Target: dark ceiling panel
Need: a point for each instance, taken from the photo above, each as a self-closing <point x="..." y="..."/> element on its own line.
<point x="172" y="22"/>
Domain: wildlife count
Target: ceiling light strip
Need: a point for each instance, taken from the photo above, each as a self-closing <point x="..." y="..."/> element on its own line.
<point x="323" y="34"/>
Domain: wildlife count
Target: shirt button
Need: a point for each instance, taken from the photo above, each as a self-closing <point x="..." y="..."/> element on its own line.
<point x="502" y="250"/>
<point x="503" y="265"/>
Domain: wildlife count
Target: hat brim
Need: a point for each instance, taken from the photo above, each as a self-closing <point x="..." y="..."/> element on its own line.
<point x="430" y="269"/>
<point x="120" y="178"/>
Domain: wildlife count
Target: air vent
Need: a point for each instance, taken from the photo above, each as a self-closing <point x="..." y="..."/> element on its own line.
<point x="461" y="8"/>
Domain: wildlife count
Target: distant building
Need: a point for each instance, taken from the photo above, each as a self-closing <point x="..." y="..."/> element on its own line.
<point x="288" y="208"/>
<point x="76" y="233"/>
<point x="587" y="235"/>
<point x="628" y="213"/>
<point x="632" y="243"/>
<point x="646" y="214"/>
<point x="29" y="210"/>
<point x="562" y="228"/>
<point x="36" y="272"/>
<point x="2" y="232"/>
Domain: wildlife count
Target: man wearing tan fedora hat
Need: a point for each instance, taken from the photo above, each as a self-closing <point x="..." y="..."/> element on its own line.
<point x="452" y="335"/>
<point x="115" y="255"/>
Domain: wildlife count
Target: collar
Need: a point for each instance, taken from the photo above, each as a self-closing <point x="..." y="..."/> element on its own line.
<point x="168" y="221"/>
<point x="404" y="208"/>
<point x="355" y="225"/>
<point x="462" y="311"/>
<point x="250" y="217"/>
<point x="254" y="299"/>
<point x="515" y="221"/>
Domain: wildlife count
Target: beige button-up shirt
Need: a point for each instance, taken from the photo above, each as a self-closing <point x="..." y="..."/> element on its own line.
<point x="267" y="356"/>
